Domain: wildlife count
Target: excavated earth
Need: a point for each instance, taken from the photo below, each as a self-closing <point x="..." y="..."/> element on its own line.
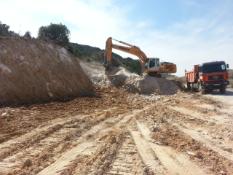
<point x="33" y="71"/>
<point x="118" y="133"/>
<point x="144" y="84"/>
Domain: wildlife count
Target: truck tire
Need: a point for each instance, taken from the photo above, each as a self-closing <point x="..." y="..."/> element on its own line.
<point x="188" y="86"/>
<point x="222" y="90"/>
<point x="199" y="88"/>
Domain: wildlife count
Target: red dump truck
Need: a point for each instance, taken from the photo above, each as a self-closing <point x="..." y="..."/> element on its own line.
<point x="208" y="76"/>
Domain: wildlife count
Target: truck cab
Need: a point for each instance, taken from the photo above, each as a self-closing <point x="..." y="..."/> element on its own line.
<point x="214" y="75"/>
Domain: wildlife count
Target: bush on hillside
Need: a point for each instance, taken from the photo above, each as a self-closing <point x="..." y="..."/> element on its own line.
<point x="4" y="30"/>
<point x="27" y="35"/>
<point x="58" y="33"/>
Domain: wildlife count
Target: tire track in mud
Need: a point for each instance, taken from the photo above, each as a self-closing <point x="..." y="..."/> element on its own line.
<point x="213" y="118"/>
<point x="127" y="160"/>
<point x="173" y="162"/>
<point x="219" y="134"/>
<point x="165" y="134"/>
<point x="161" y="159"/>
<point x="98" y="162"/>
<point x="33" y="156"/>
<point x="46" y="143"/>
<point x="85" y="145"/>
<point x="208" y="134"/>
<point x="120" y="158"/>
<point x="12" y="146"/>
<point x="205" y="141"/>
<point x="93" y="154"/>
<point x="207" y="158"/>
<point x="153" y="165"/>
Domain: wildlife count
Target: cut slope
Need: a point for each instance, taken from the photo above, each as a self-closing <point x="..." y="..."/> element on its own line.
<point x="35" y="71"/>
<point x="96" y="72"/>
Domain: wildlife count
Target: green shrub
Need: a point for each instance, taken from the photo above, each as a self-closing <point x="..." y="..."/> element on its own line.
<point x="58" y="33"/>
<point x="4" y="30"/>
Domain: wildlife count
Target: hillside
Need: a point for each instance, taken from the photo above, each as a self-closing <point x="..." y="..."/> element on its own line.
<point x="38" y="71"/>
<point x="89" y="53"/>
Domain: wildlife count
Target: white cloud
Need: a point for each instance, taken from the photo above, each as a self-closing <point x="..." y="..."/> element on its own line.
<point x="92" y="21"/>
<point x="89" y="21"/>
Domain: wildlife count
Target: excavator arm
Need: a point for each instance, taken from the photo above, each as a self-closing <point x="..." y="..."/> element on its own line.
<point x="128" y="48"/>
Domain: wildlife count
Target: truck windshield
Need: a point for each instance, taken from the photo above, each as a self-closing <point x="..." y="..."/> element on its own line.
<point x="213" y="68"/>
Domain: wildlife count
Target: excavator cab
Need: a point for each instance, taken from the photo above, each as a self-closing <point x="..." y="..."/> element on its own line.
<point x="152" y="64"/>
<point x="152" y="67"/>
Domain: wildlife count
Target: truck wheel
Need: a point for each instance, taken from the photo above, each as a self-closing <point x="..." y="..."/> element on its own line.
<point x="188" y="86"/>
<point x="199" y="88"/>
<point x="222" y="90"/>
<point x="192" y="87"/>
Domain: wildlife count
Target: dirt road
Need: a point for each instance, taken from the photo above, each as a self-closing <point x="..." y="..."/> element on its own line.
<point x="224" y="98"/>
<point x="118" y="133"/>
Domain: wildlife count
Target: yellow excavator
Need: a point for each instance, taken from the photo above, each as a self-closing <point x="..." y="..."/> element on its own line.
<point x="152" y="66"/>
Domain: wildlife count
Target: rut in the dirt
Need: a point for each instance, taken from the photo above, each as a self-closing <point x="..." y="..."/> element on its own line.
<point x="122" y="134"/>
<point x="167" y="130"/>
<point x="127" y="159"/>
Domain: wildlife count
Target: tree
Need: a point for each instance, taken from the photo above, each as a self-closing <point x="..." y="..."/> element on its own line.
<point x="4" y="30"/>
<point x="58" y="33"/>
<point x="27" y="35"/>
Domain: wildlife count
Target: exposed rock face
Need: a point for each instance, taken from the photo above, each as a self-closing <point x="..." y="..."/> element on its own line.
<point x="35" y="71"/>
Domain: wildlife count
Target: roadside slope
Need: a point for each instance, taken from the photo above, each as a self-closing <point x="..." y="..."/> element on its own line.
<point x="35" y="71"/>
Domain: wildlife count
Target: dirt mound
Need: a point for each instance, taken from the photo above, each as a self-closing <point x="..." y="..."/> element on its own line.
<point x="141" y="84"/>
<point x="96" y="73"/>
<point x="35" y="71"/>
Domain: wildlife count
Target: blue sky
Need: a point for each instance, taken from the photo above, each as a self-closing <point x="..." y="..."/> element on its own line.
<point x="185" y="32"/>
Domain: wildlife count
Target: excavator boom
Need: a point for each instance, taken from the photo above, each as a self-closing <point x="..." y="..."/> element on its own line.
<point x="122" y="42"/>
<point x="128" y="49"/>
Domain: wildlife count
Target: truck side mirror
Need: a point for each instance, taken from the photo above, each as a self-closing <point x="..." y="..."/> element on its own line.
<point x="227" y="66"/>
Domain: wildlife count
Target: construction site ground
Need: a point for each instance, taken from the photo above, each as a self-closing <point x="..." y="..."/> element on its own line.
<point x="117" y="132"/>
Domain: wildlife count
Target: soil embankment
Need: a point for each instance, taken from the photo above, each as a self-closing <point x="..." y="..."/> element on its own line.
<point x="35" y="71"/>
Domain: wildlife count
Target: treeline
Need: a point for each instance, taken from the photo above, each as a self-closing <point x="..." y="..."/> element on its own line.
<point x="59" y="34"/>
<point x="5" y="31"/>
